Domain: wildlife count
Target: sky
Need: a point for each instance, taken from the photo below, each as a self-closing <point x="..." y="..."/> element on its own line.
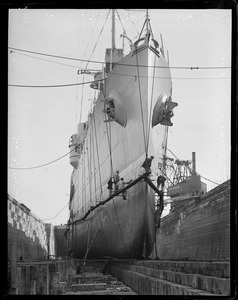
<point x="41" y="120"/>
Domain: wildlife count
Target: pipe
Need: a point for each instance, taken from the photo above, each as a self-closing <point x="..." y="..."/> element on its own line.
<point x="194" y="162"/>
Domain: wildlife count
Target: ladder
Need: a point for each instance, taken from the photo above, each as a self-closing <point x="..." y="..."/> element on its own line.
<point x="89" y="247"/>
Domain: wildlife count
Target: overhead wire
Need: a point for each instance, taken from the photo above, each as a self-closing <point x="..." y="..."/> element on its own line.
<point x="121" y="64"/>
<point x="51" y="162"/>
<point x="94" y="81"/>
<point x="90" y="37"/>
<point x="89" y="60"/>
<point x="196" y="172"/>
<point x="43" y="59"/>
<point x="97" y="148"/>
<point x="152" y="92"/>
<point x="94" y="164"/>
<point x="57" y="213"/>
<point x="53" y="86"/>
<point x="141" y="108"/>
<point x="40" y="220"/>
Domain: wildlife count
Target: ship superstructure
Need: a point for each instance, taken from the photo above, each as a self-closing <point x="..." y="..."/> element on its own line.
<point x="128" y="124"/>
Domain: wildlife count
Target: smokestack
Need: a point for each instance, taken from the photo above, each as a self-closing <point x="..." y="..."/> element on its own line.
<point x="194" y="162"/>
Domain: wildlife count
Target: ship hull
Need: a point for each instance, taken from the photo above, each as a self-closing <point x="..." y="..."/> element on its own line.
<point x="120" y="228"/>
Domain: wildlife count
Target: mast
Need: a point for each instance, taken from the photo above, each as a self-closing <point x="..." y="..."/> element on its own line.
<point x="147" y="21"/>
<point x="113" y="29"/>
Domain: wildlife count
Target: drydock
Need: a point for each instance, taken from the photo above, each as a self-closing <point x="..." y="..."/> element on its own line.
<point x="118" y="239"/>
<point x="191" y="257"/>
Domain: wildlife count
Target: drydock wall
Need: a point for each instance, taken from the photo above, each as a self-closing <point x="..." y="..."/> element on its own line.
<point x="61" y="243"/>
<point x="197" y="229"/>
<point x="27" y="234"/>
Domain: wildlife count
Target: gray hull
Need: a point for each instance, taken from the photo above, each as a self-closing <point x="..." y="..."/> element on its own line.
<point x="125" y="228"/>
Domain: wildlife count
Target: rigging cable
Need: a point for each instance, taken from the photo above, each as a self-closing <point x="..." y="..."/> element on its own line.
<point x="89" y="181"/>
<point x="57" y="213"/>
<point x="53" y="86"/>
<point x="84" y="180"/>
<point x="43" y="164"/>
<point x="109" y="146"/>
<point x="145" y="66"/>
<point x="119" y="226"/>
<point x="95" y="185"/>
<point x="99" y="170"/>
<point x="120" y="21"/>
<point x="90" y="38"/>
<point x="43" y="59"/>
<point x="108" y="135"/>
<point x="92" y="70"/>
<point x="76" y="105"/>
<point x="81" y="102"/>
<point x="89" y="163"/>
<point x="88" y="82"/>
<point x="197" y="172"/>
<point x="98" y="39"/>
<point x="151" y="107"/>
<point x="39" y="220"/>
<point x="141" y="108"/>
<point x="94" y="166"/>
<point x="100" y="221"/>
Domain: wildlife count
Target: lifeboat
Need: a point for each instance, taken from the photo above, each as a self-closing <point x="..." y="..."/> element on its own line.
<point x="74" y="151"/>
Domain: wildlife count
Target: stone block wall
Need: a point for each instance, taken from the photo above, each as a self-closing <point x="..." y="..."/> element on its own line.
<point x="27" y="233"/>
<point x="198" y="229"/>
<point x="42" y="278"/>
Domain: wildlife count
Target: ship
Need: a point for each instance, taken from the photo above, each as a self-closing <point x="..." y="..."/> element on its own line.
<point x="127" y="126"/>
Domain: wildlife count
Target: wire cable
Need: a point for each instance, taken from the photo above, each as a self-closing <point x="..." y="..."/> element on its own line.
<point x="51" y="162"/>
<point x="87" y="82"/>
<point x="43" y="59"/>
<point x="210" y="180"/>
<point x="53" y="86"/>
<point x="197" y="172"/>
<point x="145" y="66"/>
<point x="141" y="106"/>
<point x="57" y="213"/>
<point x="89" y="60"/>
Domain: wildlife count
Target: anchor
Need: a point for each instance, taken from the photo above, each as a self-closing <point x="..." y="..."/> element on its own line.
<point x="168" y="113"/>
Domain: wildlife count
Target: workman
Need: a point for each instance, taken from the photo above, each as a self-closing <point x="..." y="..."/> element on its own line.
<point x="70" y="253"/>
<point x="160" y="181"/>
<point x="121" y="184"/>
<point x="116" y="179"/>
<point x="147" y="164"/>
<point x="109" y="185"/>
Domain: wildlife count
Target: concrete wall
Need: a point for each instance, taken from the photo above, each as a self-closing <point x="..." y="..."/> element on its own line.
<point x="61" y="243"/>
<point x="198" y="229"/>
<point x="26" y="232"/>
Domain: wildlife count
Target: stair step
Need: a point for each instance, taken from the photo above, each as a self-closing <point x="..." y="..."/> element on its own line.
<point x="147" y="285"/>
<point x="217" y="269"/>
<point x="89" y="269"/>
<point x="107" y="281"/>
<point x="210" y="284"/>
<point x="79" y="287"/>
<point x="105" y="292"/>
<point x="89" y="274"/>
